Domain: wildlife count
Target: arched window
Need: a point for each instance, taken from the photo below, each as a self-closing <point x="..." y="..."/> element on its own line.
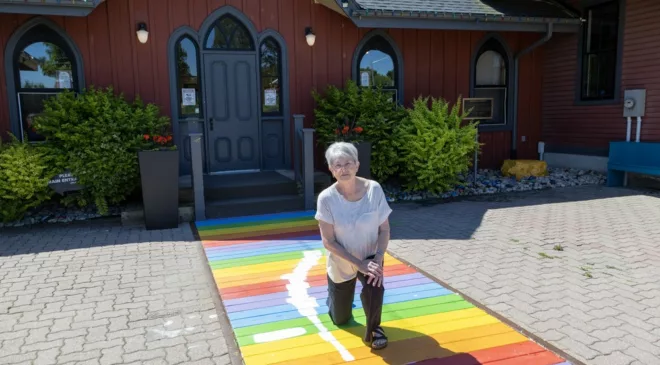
<point x="378" y="65"/>
<point x="271" y="76"/>
<point x="491" y="76"/>
<point x="44" y="65"/>
<point x="188" y="82"/>
<point x="227" y="33"/>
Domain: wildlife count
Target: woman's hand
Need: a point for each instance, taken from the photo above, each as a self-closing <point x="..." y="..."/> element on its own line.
<point x="373" y="270"/>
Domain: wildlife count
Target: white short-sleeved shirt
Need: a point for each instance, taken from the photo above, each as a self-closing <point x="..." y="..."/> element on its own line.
<point x="355" y="226"/>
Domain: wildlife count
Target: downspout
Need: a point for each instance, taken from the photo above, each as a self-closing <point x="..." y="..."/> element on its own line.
<point x="516" y="60"/>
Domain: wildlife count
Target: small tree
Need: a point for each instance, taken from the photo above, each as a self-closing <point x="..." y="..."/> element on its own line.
<point x="24" y="176"/>
<point x="435" y="145"/>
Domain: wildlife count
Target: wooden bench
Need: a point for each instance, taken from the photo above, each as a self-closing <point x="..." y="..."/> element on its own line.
<point x="641" y="158"/>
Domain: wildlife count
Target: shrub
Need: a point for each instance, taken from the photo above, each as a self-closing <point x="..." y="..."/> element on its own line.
<point x="24" y="176"/>
<point x="96" y="134"/>
<point x="434" y="147"/>
<point x="360" y="114"/>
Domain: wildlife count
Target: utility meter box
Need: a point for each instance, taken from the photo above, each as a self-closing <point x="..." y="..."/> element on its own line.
<point x="634" y="103"/>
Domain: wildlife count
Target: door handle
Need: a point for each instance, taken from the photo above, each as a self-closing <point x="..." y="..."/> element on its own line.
<point x="211" y="123"/>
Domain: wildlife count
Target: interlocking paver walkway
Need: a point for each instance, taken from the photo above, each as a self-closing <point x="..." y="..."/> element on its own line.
<point x="598" y="299"/>
<point x="116" y="295"/>
<point x="107" y="295"/>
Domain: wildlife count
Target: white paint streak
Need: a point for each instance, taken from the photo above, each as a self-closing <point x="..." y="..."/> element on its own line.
<point x="306" y="304"/>
<point x="279" y="335"/>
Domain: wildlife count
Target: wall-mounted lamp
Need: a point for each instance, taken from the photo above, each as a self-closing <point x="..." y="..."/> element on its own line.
<point x="142" y="33"/>
<point x="310" y="36"/>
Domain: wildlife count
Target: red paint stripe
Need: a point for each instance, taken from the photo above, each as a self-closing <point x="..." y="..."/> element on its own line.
<point x="523" y="353"/>
<point x="209" y="241"/>
<point x="270" y="287"/>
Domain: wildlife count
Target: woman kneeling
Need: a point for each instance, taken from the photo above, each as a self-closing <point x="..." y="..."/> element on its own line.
<point x="353" y="218"/>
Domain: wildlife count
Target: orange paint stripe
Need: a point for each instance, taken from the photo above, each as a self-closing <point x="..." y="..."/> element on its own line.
<point x="243" y="291"/>
<point x="272" y="234"/>
<point x="497" y="355"/>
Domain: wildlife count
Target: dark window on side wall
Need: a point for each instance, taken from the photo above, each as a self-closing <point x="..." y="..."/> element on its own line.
<point x="44" y="66"/>
<point x="599" y="51"/>
<point x="229" y="34"/>
<point x="491" y="80"/>
<point x="378" y="66"/>
<point x="188" y="83"/>
<point x="271" y="76"/>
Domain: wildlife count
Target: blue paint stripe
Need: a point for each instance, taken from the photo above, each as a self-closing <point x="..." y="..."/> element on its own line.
<point x="293" y="247"/>
<point x="282" y="316"/>
<point x="290" y="307"/>
<point x="258" y="245"/>
<point x="253" y="218"/>
<point x="316" y="289"/>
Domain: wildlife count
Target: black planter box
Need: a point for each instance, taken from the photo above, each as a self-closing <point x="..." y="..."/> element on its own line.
<point x="159" y="175"/>
<point x="364" y="156"/>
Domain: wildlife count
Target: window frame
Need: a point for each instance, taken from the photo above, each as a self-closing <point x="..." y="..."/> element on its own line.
<point x="37" y="29"/>
<point x="616" y="98"/>
<point x="493" y="42"/>
<point x="35" y="35"/>
<point x="238" y="25"/>
<point x="392" y="51"/>
<point x="199" y="93"/>
<point x="280" y="111"/>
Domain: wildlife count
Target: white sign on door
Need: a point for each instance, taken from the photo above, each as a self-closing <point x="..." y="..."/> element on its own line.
<point x="270" y="97"/>
<point x="188" y="97"/>
<point x="64" y="79"/>
<point x="365" y="79"/>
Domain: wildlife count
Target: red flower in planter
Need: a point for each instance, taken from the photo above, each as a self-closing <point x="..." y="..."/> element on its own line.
<point x="146" y="137"/>
<point x="358" y="129"/>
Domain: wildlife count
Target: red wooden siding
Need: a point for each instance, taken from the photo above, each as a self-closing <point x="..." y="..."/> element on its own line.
<point x="568" y="125"/>
<point x="435" y="62"/>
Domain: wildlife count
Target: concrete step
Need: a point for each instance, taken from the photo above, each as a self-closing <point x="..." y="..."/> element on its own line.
<point x="254" y="206"/>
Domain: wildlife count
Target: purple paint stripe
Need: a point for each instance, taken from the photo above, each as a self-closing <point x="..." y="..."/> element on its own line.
<point x="266" y="300"/>
<point x="564" y="363"/>
<point x="259" y="245"/>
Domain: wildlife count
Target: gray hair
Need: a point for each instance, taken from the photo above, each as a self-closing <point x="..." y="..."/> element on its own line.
<point x="338" y="150"/>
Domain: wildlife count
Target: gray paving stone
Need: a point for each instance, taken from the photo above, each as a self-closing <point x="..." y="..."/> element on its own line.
<point x="84" y="294"/>
<point x="615" y="358"/>
<point x="609" y="232"/>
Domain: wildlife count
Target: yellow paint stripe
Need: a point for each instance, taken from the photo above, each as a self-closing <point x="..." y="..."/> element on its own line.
<point x="440" y="322"/>
<point x="266" y="276"/>
<point x="259" y="228"/>
<point x="430" y="345"/>
<point x="277" y="266"/>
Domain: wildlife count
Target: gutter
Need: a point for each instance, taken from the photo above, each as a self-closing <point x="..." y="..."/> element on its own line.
<point x="516" y="60"/>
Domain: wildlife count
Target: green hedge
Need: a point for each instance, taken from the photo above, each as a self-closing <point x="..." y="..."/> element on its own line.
<point x="421" y="148"/>
<point x="354" y="114"/>
<point x="96" y="135"/>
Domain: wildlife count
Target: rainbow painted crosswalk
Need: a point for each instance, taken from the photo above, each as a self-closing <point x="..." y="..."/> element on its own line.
<point x="270" y="272"/>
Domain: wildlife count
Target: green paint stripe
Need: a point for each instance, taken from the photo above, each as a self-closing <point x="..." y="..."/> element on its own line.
<point x="391" y="312"/>
<point x="256" y="260"/>
<point x="253" y="224"/>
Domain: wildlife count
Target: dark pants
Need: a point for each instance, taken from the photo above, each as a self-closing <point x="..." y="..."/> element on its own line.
<point x="340" y="302"/>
